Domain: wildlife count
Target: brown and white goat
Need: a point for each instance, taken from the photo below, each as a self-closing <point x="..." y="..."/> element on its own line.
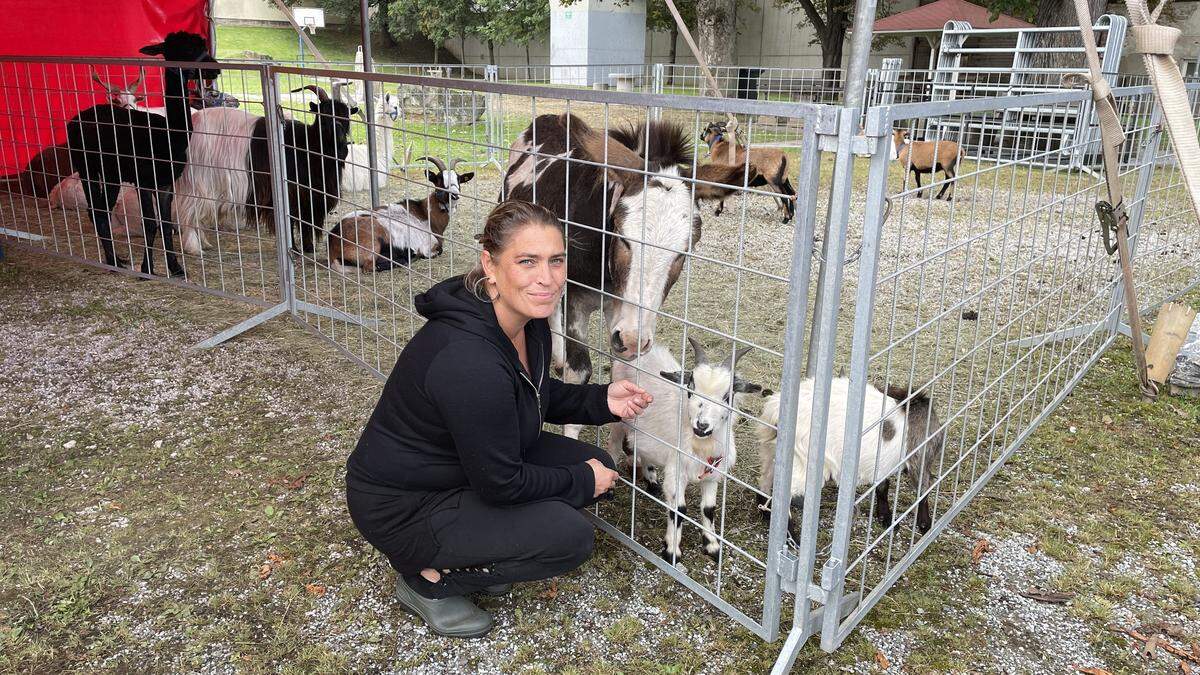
<point x="377" y="240"/>
<point x="927" y="157"/>
<point x="768" y="166"/>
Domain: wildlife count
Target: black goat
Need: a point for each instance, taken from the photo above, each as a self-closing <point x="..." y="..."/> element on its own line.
<point x="110" y="145"/>
<point x="314" y="155"/>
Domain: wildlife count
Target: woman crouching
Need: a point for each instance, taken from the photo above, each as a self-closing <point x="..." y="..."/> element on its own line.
<point x="453" y="479"/>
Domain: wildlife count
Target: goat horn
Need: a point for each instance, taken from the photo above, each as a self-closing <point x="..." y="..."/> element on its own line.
<point x="96" y="76"/>
<point x="435" y="161"/>
<point x="138" y="82"/>
<point x="321" y="93"/>
<point x="454" y="162"/>
<point x="735" y="356"/>
<point x="700" y="356"/>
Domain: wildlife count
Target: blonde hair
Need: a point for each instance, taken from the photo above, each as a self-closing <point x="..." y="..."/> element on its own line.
<point x="501" y="224"/>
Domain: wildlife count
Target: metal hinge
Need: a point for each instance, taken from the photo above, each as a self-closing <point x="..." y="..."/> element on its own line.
<point x="789" y="570"/>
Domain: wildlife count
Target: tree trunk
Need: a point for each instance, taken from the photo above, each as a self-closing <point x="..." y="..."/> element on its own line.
<point x="491" y="52"/>
<point x="528" y="61"/>
<point x="1061" y="13"/>
<point x="674" y="51"/>
<point x="716" y="30"/>
<point x="831" y="48"/>
<point x="435" y="52"/>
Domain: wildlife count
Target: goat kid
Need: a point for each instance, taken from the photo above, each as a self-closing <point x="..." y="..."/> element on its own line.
<point x="768" y="166"/>
<point x="899" y="428"/>
<point x="694" y="448"/>
<point x="922" y="157"/>
<point x="377" y="240"/>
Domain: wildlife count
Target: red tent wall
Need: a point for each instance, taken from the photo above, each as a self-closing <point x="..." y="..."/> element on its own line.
<point x="37" y="99"/>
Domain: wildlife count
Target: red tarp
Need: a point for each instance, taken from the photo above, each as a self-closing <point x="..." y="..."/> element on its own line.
<point x="37" y="99"/>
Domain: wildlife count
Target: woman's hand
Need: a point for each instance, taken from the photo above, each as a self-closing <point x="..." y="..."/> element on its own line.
<point x="605" y="477"/>
<point x="627" y="400"/>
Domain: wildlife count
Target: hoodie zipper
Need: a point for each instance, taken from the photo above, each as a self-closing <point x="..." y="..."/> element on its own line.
<point x="537" y="389"/>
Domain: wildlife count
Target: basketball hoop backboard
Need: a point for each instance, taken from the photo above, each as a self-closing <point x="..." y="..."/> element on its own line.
<point x="310" y="18"/>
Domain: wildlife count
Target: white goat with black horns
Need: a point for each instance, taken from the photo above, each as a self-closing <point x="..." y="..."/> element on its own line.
<point x="899" y="428"/>
<point x="692" y="443"/>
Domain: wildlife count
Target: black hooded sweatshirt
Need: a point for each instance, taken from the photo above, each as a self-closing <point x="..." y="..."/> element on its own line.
<point x="458" y="409"/>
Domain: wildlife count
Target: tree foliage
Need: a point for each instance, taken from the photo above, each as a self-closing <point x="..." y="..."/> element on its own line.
<point x="830" y="20"/>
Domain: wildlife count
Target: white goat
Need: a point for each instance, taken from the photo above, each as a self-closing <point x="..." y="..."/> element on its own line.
<point x="126" y="215"/>
<point x="899" y="427"/>
<point x="216" y="182"/>
<point x="695" y="445"/>
<point x="357" y="173"/>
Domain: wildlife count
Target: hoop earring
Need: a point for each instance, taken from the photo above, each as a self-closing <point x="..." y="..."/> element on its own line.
<point x="483" y="297"/>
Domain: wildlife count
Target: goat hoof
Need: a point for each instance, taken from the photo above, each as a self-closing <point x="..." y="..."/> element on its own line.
<point x="176" y="272"/>
<point x="654" y="489"/>
<point x="671" y="558"/>
<point x="715" y="553"/>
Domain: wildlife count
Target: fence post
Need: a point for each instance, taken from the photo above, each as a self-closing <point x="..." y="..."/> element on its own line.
<point x="656" y="87"/>
<point x="494" y="125"/>
<point x="279" y="196"/>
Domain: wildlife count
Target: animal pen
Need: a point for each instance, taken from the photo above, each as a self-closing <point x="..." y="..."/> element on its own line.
<point x="990" y="306"/>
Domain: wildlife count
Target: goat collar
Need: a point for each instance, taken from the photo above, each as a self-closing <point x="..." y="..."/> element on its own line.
<point x="712" y="463"/>
<point x="716" y="139"/>
<point x="899" y="147"/>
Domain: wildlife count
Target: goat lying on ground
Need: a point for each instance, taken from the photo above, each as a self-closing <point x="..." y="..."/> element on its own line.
<point x="768" y="166"/>
<point x="377" y="240"/>
<point x="126" y="218"/>
<point x="909" y="434"/>
<point x="696" y="447"/>
<point x="927" y="157"/>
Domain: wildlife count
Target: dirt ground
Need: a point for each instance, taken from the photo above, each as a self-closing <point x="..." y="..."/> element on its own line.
<point x="169" y="509"/>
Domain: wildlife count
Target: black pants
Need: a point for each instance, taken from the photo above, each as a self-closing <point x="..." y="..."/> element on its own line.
<point x="482" y="544"/>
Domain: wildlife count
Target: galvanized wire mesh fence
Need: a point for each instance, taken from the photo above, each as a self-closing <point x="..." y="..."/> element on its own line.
<point x="984" y="310"/>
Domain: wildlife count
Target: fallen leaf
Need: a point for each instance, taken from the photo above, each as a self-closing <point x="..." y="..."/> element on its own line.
<point x="1196" y="652"/>
<point x="1107" y="420"/>
<point x="1052" y="597"/>
<point x="1032" y="548"/>
<point x="552" y="592"/>
<point x="982" y="546"/>
<point x="315" y="590"/>
<point x="297" y="483"/>
<point x="1185" y="668"/>
<point x="265" y="571"/>
<point x="1093" y="671"/>
<point x="882" y="660"/>
<point x="275" y="559"/>
<point x="1146" y="651"/>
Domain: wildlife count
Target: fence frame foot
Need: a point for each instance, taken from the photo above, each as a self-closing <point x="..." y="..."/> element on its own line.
<point x="798" y="635"/>
<point x="276" y="310"/>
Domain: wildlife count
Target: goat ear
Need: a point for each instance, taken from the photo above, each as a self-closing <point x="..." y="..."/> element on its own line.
<point x="353" y="110"/>
<point x="154" y="50"/>
<point x="465" y="177"/>
<point x="314" y="107"/>
<point x="433" y="177"/>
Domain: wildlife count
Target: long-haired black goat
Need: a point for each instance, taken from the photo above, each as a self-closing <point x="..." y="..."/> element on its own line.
<point x="111" y="145"/>
<point x="315" y="155"/>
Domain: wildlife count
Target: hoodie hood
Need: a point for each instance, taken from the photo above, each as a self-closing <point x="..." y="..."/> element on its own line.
<point x="451" y="303"/>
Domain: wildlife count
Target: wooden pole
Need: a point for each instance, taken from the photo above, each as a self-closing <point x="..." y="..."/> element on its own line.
<point x="1170" y="332"/>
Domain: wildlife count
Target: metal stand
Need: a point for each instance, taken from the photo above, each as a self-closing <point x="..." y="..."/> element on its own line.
<point x="282" y="308"/>
<point x="1072" y="332"/>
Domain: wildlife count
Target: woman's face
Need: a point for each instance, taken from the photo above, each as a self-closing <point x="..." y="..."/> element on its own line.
<point x="530" y="272"/>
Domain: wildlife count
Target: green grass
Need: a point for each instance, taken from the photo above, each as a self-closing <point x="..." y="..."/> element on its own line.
<point x="336" y="44"/>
